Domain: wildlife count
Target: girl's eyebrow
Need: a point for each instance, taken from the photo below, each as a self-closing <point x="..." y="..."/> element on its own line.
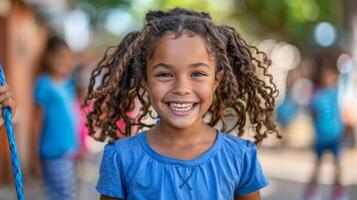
<point x="199" y="64"/>
<point x="162" y="65"/>
<point x="195" y="65"/>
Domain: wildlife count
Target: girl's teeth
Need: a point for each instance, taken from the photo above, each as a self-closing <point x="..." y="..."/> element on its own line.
<point x="181" y="107"/>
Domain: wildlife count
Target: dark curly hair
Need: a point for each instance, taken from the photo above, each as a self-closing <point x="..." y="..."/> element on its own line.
<point x="120" y="74"/>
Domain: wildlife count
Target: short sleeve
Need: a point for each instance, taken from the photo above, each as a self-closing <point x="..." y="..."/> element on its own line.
<point x="111" y="179"/>
<point x="41" y="91"/>
<point x="252" y="178"/>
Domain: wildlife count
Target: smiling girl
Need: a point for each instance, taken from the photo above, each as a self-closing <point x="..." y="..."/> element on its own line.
<point x="190" y="71"/>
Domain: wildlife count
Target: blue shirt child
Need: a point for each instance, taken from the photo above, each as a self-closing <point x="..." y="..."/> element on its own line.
<point x="131" y="169"/>
<point x="58" y="134"/>
<point x="327" y="118"/>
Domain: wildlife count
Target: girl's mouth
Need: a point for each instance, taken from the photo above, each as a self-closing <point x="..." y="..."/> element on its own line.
<point x="182" y="108"/>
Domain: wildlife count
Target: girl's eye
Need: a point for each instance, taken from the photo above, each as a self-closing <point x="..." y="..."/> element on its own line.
<point x="198" y="74"/>
<point x="164" y="75"/>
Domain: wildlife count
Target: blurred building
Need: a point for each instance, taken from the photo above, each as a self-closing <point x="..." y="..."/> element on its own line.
<point x="24" y="27"/>
<point x="21" y="41"/>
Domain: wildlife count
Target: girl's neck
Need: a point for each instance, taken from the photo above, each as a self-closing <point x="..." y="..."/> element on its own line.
<point x="58" y="78"/>
<point x="175" y="136"/>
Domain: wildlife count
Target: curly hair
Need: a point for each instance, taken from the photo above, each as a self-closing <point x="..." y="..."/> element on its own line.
<point x="242" y="90"/>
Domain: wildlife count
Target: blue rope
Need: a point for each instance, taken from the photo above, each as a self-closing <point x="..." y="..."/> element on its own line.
<point x="16" y="167"/>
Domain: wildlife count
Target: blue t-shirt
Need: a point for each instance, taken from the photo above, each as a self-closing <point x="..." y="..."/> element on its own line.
<point x="59" y="128"/>
<point x="326" y="116"/>
<point x="131" y="169"/>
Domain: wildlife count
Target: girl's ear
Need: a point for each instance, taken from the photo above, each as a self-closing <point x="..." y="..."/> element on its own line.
<point x="218" y="78"/>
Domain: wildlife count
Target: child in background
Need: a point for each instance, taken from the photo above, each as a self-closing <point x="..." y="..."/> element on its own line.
<point x="56" y="121"/>
<point x="184" y="66"/>
<point x="328" y="124"/>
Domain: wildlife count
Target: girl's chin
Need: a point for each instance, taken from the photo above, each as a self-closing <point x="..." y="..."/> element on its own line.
<point x="179" y="123"/>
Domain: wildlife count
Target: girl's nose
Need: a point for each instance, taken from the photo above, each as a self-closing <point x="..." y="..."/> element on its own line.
<point x="182" y="86"/>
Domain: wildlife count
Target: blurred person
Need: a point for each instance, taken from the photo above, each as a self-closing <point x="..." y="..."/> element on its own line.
<point x="56" y="118"/>
<point x="184" y="66"/>
<point x="328" y="125"/>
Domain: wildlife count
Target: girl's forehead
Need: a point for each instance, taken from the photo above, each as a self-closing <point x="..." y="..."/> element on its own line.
<point x="174" y="45"/>
<point x="172" y="37"/>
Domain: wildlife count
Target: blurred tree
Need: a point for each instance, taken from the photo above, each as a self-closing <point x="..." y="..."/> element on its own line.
<point x="294" y="20"/>
<point x="290" y="20"/>
<point x="105" y="3"/>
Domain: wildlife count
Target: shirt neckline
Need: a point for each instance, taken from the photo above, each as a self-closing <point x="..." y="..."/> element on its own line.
<point x="189" y="163"/>
<point x="56" y="82"/>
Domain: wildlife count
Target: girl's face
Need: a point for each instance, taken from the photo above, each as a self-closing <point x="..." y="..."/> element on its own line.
<point x="181" y="79"/>
<point x="61" y="62"/>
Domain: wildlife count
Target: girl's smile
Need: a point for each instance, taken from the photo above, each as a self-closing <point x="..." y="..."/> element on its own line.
<point x="182" y="108"/>
<point x="181" y="79"/>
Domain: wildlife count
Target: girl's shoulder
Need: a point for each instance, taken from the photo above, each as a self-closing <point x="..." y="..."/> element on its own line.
<point x="237" y="144"/>
<point x="233" y="139"/>
<point x="128" y="141"/>
<point x="123" y="147"/>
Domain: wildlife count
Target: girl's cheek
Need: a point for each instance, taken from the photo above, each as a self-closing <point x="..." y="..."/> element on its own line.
<point x="160" y="86"/>
<point x="206" y="87"/>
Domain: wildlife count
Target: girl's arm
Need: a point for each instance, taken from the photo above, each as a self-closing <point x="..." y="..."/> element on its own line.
<point x="102" y="197"/>
<point x="250" y="196"/>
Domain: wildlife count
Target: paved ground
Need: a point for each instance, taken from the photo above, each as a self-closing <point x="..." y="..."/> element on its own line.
<point x="88" y="172"/>
<point x="289" y="171"/>
<point x="289" y="190"/>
